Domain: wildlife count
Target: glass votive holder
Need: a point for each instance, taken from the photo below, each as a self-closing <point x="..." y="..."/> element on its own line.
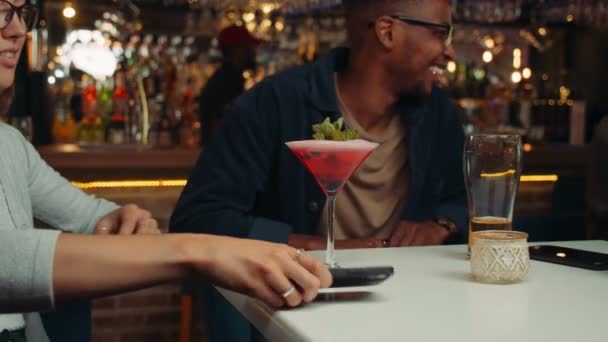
<point x="499" y="257"/>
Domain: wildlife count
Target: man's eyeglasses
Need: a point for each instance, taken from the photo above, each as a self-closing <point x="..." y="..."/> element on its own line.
<point x="447" y="32"/>
<point x="27" y="12"/>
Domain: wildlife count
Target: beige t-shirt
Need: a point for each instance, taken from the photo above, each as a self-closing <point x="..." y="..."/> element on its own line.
<point x="371" y="202"/>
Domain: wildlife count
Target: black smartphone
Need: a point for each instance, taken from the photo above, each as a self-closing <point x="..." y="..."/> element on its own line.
<point x="570" y="257"/>
<point x="362" y="276"/>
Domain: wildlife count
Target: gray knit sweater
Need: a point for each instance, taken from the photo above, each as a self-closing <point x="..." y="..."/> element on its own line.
<point x="33" y="190"/>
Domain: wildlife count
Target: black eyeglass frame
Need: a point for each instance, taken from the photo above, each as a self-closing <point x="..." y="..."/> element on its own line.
<point x="426" y="23"/>
<point x="19" y="10"/>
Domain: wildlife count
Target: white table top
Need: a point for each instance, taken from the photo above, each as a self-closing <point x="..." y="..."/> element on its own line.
<point x="432" y="297"/>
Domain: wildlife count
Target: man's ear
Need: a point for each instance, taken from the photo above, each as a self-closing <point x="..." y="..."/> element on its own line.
<point x="385" y="31"/>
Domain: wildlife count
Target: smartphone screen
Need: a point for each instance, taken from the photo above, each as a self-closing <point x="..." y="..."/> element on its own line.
<point x="570" y="257"/>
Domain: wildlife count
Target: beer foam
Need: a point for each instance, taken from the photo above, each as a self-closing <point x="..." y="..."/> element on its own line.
<point x="330" y="145"/>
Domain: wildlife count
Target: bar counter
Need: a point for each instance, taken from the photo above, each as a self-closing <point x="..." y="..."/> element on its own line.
<point x="154" y="178"/>
<point x="433" y="298"/>
<point x="85" y="164"/>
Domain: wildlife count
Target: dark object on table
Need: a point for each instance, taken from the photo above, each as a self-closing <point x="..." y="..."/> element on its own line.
<point x="364" y="276"/>
<point x="570" y="257"/>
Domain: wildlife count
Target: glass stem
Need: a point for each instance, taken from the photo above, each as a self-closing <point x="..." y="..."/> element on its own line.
<point x="330" y="257"/>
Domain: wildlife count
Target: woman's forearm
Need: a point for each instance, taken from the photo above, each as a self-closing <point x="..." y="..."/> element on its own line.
<point x="94" y="266"/>
<point x="87" y="267"/>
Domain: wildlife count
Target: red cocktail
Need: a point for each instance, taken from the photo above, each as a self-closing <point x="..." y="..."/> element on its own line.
<point x="331" y="163"/>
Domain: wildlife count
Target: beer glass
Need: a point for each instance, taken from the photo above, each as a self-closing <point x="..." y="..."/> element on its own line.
<point x="492" y="168"/>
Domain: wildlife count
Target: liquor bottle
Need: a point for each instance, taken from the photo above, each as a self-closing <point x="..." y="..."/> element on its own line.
<point x="169" y="78"/>
<point x="162" y="128"/>
<point x="116" y="132"/>
<point x="104" y="99"/>
<point x="86" y="131"/>
<point x="98" y="131"/>
<point x="165" y="131"/>
<point x="65" y="130"/>
<point x="89" y="103"/>
<point x="154" y="106"/>
<point x="75" y="102"/>
<point x="188" y="127"/>
<point x="88" y="124"/>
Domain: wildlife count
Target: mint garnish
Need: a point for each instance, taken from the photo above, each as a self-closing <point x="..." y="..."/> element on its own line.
<point x="333" y="131"/>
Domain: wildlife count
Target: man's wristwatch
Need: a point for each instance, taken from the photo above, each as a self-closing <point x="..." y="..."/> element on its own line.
<point x="450" y="226"/>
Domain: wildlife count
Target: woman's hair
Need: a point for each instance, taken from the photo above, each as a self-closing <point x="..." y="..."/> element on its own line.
<point x="6" y="99"/>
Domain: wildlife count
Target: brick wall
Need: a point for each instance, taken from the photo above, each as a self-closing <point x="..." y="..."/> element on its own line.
<point x="148" y="315"/>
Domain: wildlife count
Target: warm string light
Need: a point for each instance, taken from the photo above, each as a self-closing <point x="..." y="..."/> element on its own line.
<point x="539" y="178"/>
<point x="516" y="58"/>
<point x="131" y="184"/>
<point x="248" y="17"/>
<point x="489" y="42"/>
<point x="487" y="56"/>
<point x="516" y="77"/>
<point x="451" y="67"/>
<point x="69" y="11"/>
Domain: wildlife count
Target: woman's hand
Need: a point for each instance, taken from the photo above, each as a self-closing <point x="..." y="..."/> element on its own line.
<point x="128" y="220"/>
<point x="276" y="274"/>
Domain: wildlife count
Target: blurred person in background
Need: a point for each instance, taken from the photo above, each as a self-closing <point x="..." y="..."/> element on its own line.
<point x="238" y="48"/>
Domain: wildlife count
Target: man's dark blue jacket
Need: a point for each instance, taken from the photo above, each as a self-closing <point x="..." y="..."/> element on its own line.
<point x="248" y="184"/>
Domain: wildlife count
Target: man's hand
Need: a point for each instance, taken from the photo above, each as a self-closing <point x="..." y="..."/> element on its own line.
<point x="427" y="233"/>
<point x="309" y="243"/>
<point x="128" y="220"/>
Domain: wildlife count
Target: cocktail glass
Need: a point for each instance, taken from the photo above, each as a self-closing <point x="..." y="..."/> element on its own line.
<point x="331" y="163"/>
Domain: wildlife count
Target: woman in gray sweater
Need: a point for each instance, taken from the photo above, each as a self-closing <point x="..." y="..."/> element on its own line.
<point x="41" y="268"/>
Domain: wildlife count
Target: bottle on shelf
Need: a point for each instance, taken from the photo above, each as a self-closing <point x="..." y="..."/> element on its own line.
<point x="162" y="128"/>
<point x="91" y="126"/>
<point x="166" y="128"/>
<point x="189" y="126"/>
<point x="65" y="130"/>
<point x="116" y="132"/>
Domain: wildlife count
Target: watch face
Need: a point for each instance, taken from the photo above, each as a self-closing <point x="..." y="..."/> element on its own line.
<point x="447" y="224"/>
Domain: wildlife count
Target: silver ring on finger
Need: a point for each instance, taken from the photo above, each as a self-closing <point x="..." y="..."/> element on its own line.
<point x="289" y="292"/>
<point x="299" y="252"/>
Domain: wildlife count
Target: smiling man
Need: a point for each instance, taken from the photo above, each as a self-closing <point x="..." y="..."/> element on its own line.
<point x="411" y="189"/>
